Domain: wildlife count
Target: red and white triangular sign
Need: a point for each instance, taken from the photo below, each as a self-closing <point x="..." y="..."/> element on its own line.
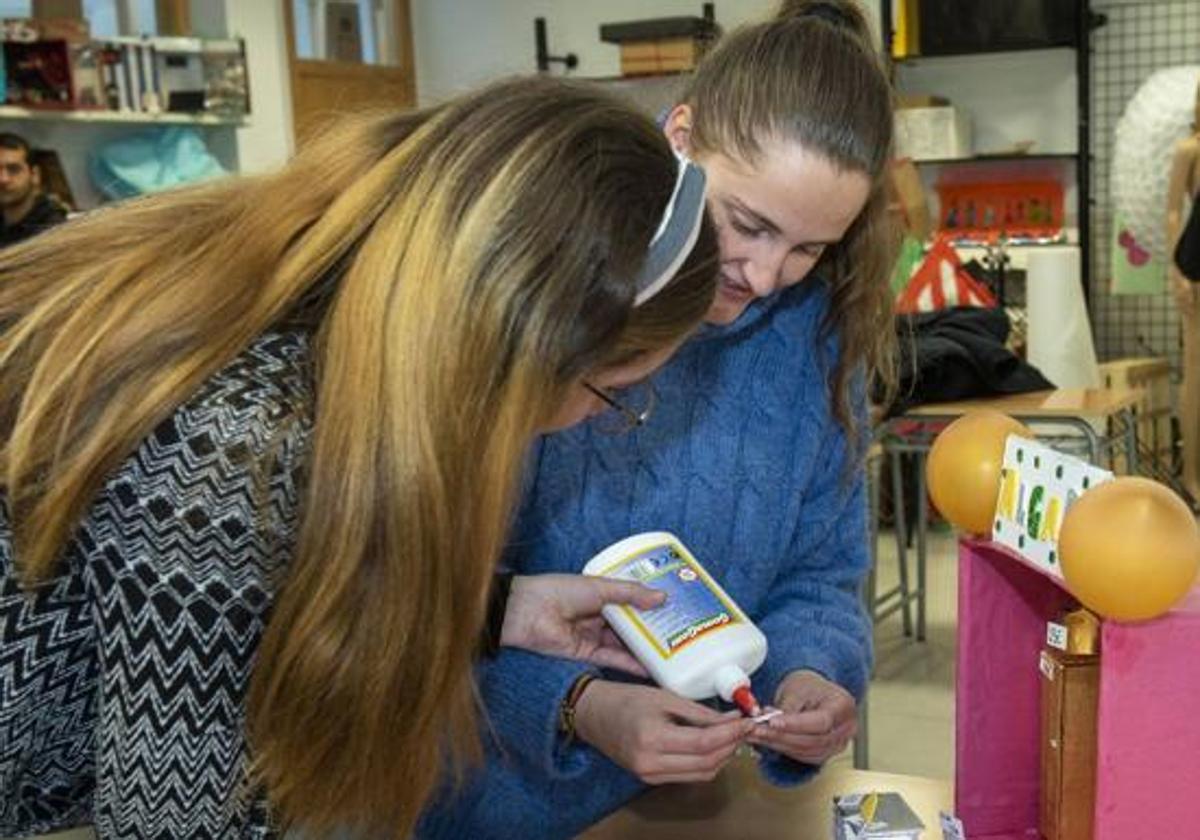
<point x="941" y="282"/>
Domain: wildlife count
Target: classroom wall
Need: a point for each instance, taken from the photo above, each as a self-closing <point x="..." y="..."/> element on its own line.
<point x="268" y="140"/>
<point x="264" y="144"/>
<point x="463" y="43"/>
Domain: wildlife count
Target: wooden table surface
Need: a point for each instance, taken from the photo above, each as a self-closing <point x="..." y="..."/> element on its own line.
<point x="739" y="805"/>
<point x="1061" y="402"/>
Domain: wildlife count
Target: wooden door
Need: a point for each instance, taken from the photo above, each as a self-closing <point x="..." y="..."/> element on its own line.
<point x="325" y="86"/>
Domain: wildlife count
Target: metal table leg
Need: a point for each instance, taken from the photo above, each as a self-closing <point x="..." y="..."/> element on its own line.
<point x="922" y="532"/>
<point x="862" y="754"/>
<point x="1131" y="442"/>
<point x="873" y="491"/>
<point x="901" y="539"/>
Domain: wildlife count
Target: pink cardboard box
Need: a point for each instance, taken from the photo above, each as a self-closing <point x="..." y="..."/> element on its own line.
<point x="1148" y="778"/>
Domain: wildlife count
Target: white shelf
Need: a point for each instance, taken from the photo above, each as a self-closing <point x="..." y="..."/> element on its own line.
<point x="13" y="112"/>
<point x="180" y="45"/>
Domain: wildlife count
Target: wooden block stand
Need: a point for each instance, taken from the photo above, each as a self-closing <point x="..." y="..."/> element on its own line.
<point x="1070" y="695"/>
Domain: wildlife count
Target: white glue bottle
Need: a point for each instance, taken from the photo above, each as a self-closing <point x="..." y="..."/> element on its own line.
<point x="699" y="643"/>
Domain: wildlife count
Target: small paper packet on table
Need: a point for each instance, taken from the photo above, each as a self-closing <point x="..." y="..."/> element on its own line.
<point x="875" y="816"/>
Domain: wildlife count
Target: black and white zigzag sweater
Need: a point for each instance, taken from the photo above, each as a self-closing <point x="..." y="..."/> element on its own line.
<point x="122" y="682"/>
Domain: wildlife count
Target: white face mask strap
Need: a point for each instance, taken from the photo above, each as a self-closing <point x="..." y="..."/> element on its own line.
<point x="677" y="232"/>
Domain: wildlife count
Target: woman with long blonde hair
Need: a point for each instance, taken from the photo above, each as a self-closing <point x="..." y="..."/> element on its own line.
<point x="261" y="445"/>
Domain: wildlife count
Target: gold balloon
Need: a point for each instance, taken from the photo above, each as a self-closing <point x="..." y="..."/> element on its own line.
<point x="964" y="464"/>
<point x="1130" y="549"/>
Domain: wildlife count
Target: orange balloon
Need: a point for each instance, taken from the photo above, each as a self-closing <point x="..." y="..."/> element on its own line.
<point x="964" y="464"/>
<point x="1130" y="549"/>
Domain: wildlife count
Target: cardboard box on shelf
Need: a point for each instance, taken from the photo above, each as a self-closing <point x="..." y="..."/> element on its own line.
<point x="668" y="55"/>
<point x="71" y="30"/>
<point x="46" y="9"/>
<point x="933" y="133"/>
<point x="660" y="45"/>
<point x="28" y="30"/>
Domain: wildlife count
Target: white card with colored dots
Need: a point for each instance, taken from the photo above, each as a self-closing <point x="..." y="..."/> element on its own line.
<point x="1037" y="487"/>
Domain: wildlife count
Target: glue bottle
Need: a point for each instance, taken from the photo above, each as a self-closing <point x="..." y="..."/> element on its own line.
<point x="699" y="643"/>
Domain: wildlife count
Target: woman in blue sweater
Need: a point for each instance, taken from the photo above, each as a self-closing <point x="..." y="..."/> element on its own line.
<point x="752" y="455"/>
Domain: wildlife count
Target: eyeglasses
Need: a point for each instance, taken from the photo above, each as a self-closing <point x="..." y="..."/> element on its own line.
<point x="628" y="409"/>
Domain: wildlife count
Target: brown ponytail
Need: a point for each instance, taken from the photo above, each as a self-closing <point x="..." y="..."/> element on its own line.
<point x="846" y="15"/>
<point x="814" y="76"/>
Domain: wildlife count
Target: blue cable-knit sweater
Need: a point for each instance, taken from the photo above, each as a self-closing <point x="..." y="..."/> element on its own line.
<point x="743" y="460"/>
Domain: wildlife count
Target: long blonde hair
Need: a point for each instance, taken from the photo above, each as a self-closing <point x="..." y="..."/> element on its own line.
<point x="459" y="268"/>
<point x="813" y="76"/>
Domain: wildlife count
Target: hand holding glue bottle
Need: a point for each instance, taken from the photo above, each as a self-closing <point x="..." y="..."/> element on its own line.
<point x="698" y="644"/>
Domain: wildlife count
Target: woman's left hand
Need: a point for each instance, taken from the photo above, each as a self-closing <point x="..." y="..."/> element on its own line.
<point x="559" y="615"/>
<point x="819" y="718"/>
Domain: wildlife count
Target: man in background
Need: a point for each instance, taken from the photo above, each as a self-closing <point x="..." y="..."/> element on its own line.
<point x="26" y="210"/>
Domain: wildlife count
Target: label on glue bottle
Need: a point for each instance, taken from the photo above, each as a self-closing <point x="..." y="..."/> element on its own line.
<point x="693" y="605"/>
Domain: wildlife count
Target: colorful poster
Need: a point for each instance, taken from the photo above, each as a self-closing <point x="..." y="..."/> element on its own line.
<point x="1135" y="271"/>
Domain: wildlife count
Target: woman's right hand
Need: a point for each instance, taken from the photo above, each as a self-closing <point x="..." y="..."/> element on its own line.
<point x="656" y="735"/>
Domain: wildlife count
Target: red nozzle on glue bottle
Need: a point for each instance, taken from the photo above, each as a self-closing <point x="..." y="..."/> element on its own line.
<point x="698" y="643"/>
<point x="734" y="687"/>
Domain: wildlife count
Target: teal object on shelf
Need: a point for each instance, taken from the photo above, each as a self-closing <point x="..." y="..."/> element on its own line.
<point x="153" y="161"/>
